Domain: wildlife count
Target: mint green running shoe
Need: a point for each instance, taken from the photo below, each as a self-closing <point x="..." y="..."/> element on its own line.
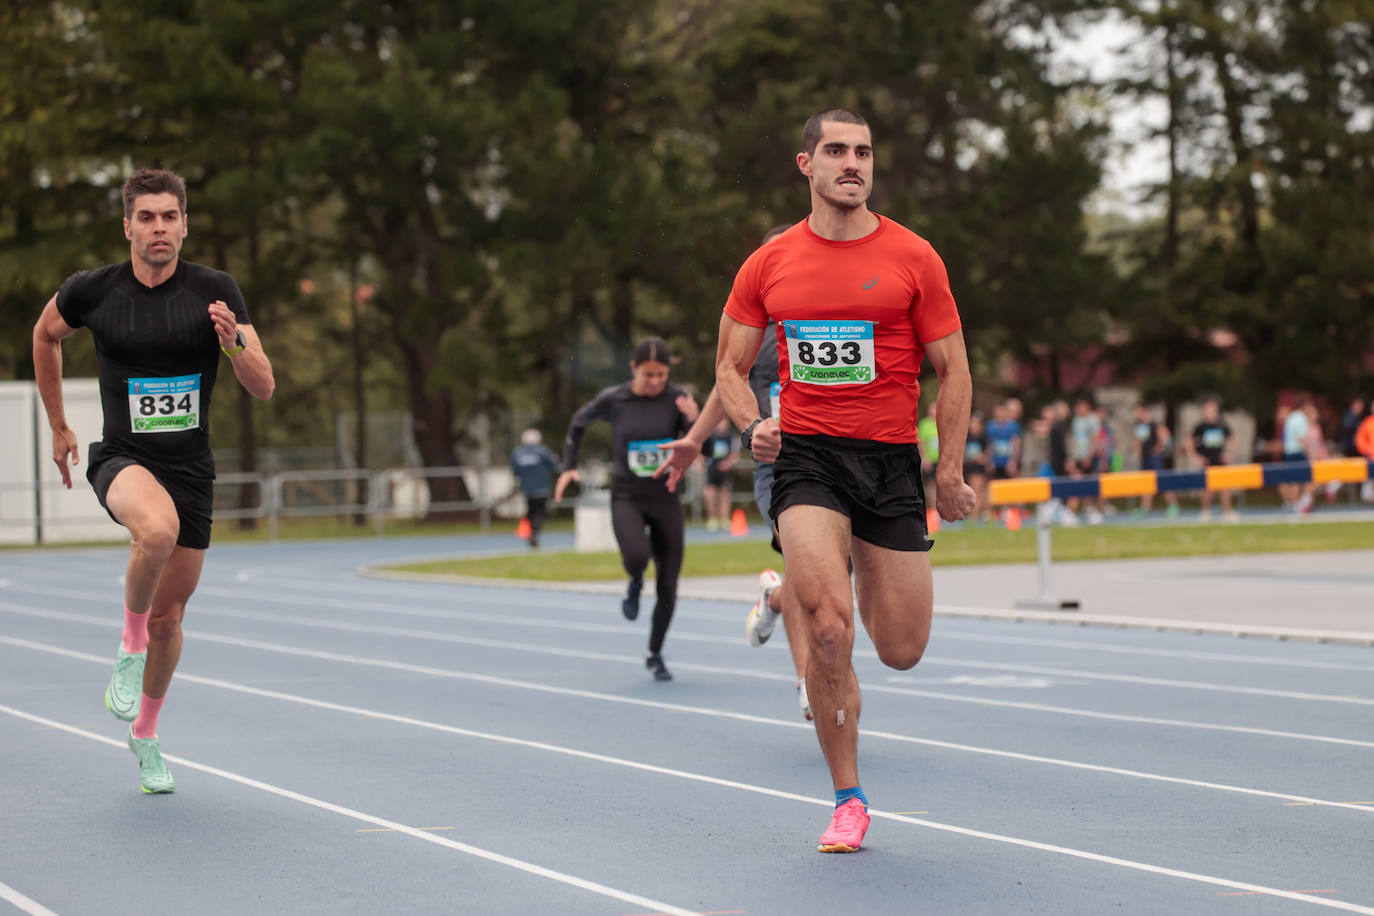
<point x="152" y="771"/>
<point x="125" y="692"/>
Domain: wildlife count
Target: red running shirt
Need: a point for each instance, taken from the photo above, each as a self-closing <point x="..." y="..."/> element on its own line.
<point x="850" y="321"/>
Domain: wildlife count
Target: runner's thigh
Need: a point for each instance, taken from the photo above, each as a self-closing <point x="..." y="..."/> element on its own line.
<point x="895" y="600"/>
<point x="139" y="502"/>
<point x="815" y="543"/>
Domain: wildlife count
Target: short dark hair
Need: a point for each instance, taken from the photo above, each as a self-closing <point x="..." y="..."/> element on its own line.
<point x="811" y="133"/>
<point x="153" y="181"/>
<point x="651" y="349"/>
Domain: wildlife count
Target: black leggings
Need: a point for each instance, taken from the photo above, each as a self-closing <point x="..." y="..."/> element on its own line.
<point x="661" y="513"/>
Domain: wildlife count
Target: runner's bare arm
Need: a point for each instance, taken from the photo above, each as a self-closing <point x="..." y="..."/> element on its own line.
<point x="684" y="451"/>
<point x="739" y="345"/>
<point x="953" y="497"/>
<point x="251" y="365"/>
<point x="48" y="335"/>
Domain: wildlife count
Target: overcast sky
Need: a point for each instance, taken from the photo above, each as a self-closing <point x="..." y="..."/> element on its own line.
<point x="1107" y="49"/>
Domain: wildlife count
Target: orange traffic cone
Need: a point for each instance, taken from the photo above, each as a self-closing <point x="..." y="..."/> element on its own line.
<point x="1013" y="519"/>
<point x="932" y="521"/>
<point x="738" y="526"/>
<point x="523" y="530"/>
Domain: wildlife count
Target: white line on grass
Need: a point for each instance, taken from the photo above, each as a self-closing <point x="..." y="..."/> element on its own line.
<point x="709" y="669"/>
<point x="679" y="774"/>
<point x="428" y="837"/>
<point x="680" y="708"/>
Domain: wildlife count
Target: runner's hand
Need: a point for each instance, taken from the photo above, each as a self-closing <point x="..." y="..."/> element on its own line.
<point x="766" y="442"/>
<point x="684" y="452"/>
<point x="688" y="406"/>
<point x="226" y="325"/>
<point x="64" y="444"/>
<point x="954" y="499"/>
<point x="564" y="479"/>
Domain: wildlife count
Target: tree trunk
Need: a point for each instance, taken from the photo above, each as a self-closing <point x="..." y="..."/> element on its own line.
<point x="433" y="413"/>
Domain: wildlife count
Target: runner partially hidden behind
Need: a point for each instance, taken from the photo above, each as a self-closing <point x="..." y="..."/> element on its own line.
<point x="161" y="326"/>
<point x="855" y="302"/>
<point x="644" y="413"/>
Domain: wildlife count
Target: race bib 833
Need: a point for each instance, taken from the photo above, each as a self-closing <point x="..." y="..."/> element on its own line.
<point x="164" y="405"/>
<point x="831" y="352"/>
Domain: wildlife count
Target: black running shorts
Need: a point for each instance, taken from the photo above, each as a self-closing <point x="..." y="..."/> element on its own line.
<point x="876" y="484"/>
<point x="194" y="497"/>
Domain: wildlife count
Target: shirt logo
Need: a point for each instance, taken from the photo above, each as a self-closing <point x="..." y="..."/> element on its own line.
<point x="871" y="283"/>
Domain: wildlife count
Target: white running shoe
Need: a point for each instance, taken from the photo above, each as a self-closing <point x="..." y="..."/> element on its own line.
<point x="762" y="618"/>
<point x="802" y="700"/>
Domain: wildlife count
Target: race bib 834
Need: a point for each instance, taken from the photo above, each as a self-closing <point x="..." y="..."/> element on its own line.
<point x="164" y="405"/>
<point x="831" y="352"/>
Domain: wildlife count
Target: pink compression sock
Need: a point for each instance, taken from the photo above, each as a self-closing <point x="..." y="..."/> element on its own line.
<point x="135" y="631"/>
<point x="145" y="726"/>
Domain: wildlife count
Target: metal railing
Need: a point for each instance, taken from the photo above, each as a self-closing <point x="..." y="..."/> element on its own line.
<point x="371" y="495"/>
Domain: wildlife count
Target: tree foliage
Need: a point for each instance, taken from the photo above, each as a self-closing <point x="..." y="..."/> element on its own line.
<point x="516" y="191"/>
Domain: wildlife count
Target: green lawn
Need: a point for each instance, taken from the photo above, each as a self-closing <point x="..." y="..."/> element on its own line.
<point x="962" y="547"/>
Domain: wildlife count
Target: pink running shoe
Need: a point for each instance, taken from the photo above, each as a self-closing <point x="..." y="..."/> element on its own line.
<point x="847" y="828"/>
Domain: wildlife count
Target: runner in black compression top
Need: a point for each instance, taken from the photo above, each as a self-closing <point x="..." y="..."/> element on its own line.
<point x="161" y="327"/>
<point x="643" y="412"/>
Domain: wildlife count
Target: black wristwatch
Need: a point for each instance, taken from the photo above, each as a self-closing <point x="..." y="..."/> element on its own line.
<point x="746" y="438"/>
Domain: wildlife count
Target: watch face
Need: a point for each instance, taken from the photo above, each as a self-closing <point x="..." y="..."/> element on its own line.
<point x="243" y="341"/>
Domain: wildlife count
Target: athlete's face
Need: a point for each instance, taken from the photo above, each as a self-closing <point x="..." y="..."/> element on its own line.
<point x="650" y="377"/>
<point x="156" y="229"/>
<point x="841" y="168"/>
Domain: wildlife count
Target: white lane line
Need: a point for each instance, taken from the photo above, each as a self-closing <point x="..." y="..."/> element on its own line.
<point x="546" y="623"/>
<point x="711" y="712"/>
<point x="1151" y="681"/>
<point x="685" y="775"/>
<point x="24" y="904"/>
<point x="428" y="837"/>
<point x="636" y="661"/>
<point x="946" y="633"/>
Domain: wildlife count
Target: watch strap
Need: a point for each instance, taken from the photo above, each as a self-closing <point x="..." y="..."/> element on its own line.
<point x="237" y="348"/>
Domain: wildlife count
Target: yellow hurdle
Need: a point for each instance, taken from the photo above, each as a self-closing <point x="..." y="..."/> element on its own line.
<point x="1129" y="483"/>
<point x="1020" y="490"/>
<point x="1236" y="477"/>
<point x="1340" y="470"/>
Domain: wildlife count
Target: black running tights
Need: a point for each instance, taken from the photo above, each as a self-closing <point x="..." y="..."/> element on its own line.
<point x="661" y="515"/>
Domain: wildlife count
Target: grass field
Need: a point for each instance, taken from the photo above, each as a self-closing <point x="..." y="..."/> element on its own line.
<point x="952" y="547"/>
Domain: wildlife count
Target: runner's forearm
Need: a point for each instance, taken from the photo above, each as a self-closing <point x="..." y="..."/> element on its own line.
<point x="739" y="402"/>
<point x="47" y="373"/>
<point x="712" y="412"/>
<point x="254" y="372"/>
<point x="951" y="419"/>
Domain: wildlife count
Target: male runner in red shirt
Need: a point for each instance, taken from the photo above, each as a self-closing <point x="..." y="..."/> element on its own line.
<point x="854" y="301"/>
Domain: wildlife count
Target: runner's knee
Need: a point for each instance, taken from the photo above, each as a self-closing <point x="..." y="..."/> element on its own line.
<point x="832" y="637"/>
<point x="156" y="538"/>
<point x="904" y="654"/>
<point x="163" y="626"/>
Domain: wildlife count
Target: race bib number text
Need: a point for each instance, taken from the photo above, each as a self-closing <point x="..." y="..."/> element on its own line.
<point x="831" y="352"/>
<point x="164" y="405"/>
<point x="646" y="456"/>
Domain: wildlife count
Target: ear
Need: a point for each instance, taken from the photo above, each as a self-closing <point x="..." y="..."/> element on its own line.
<point x="185" y="224"/>
<point x="804" y="163"/>
<point x="126" y="229"/>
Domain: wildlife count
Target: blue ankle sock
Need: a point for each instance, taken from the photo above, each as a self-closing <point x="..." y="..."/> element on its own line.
<point x="844" y="795"/>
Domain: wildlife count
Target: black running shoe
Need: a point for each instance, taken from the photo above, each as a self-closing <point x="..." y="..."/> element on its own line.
<point x="655" y="664"/>
<point x="630" y="605"/>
